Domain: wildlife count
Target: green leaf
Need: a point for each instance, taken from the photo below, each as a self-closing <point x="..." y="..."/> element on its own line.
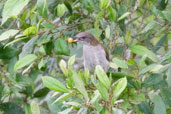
<point x="169" y="76"/>
<point x="127" y="37"/>
<point x="104" y="80"/>
<point x="120" y="63"/>
<point x="104" y="4"/>
<point x="86" y="76"/>
<point x="27" y="108"/>
<point x="107" y="32"/>
<point x="156" y="69"/>
<point x="71" y="60"/>
<point x="8" y="52"/>
<point x="141" y="50"/>
<point x="63" y="97"/>
<point x="41" y="64"/>
<point x="153" y="79"/>
<point x="79" y="84"/>
<point x="159" y="106"/>
<point x="104" y="111"/>
<point x="166" y="57"/>
<point x="28" y="59"/>
<point x="69" y="7"/>
<point x="61" y="8"/>
<point x="96" y="23"/>
<point x="41" y="92"/>
<point x="42" y="8"/>
<point x="95" y="100"/>
<point x="146" y="69"/>
<point x="149" y="26"/>
<point x="124" y="15"/>
<point x="63" y="67"/>
<point x="131" y="62"/>
<point x="103" y="91"/>
<point x="54" y="84"/>
<point x="35" y="108"/>
<point x="145" y="107"/>
<point x="166" y="95"/>
<point x="16" y="40"/>
<point x="61" y="47"/>
<point x="160" y="43"/>
<point x="12" y="8"/>
<point x="66" y="111"/>
<point x="8" y="34"/>
<point x="142" y="61"/>
<point x="111" y="13"/>
<point x="119" y="87"/>
<point x="48" y="26"/>
<point x="11" y="108"/>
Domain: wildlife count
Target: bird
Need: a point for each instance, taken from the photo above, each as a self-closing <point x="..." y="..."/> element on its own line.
<point x="94" y="52"/>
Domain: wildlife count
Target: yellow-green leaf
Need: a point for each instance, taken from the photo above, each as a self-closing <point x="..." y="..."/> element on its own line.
<point x="119" y="87"/>
<point x="7" y="34"/>
<point x="54" y="84"/>
<point x="28" y="59"/>
<point x="141" y="50"/>
<point x="102" y="76"/>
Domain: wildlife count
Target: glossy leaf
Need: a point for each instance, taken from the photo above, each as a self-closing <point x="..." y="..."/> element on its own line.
<point x="95" y="101"/>
<point x="107" y="32"/>
<point x="12" y="8"/>
<point x="35" y="108"/>
<point x="69" y="7"/>
<point x="166" y="57"/>
<point x="124" y="16"/>
<point x="166" y="96"/>
<point x="141" y="50"/>
<point x="67" y="111"/>
<point x="111" y="13"/>
<point x="120" y="63"/>
<point x="103" y="91"/>
<point x="145" y="107"/>
<point x="41" y="64"/>
<point x="160" y="43"/>
<point x="61" y="47"/>
<point x="149" y="26"/>
<point x="79" y="84"/>
<point x="159" y="106"/>
<point x="61" y="8"/>
<point x="104" y="80"/>
<point x="8" y="34"/>
<point x="104" y="3"/>
<point x="63" y="98"/>
<point x="71" y="60"/>
<point x="41" y="92"/>
<point x="54" y="84"/>
<point x="28" y="59"/>
<point x="119" y="87"/>
<point x="153" y="79"/>
<point x="8" y="52"/>
<point x="42" y="8"/>
<point x="63" y="67"/>
<point x="14" y="41"/>
<point x="147" y="69"/>
<point x="10" y="108"/>
<point x="169" y="76"/>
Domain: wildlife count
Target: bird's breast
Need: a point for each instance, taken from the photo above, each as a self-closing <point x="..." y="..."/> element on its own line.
<point x="94" y="55"/>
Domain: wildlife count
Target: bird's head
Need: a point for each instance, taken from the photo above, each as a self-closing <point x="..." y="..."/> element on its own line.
<point x="85" y="38"/>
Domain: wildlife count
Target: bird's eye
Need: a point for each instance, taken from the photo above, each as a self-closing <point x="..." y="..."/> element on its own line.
<point x="83" y="37"/>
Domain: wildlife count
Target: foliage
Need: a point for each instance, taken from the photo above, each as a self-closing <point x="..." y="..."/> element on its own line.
<point x="35" y="57"/>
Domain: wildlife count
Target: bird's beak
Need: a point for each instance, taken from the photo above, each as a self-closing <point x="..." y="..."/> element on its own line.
<point x="75" y="39"/>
